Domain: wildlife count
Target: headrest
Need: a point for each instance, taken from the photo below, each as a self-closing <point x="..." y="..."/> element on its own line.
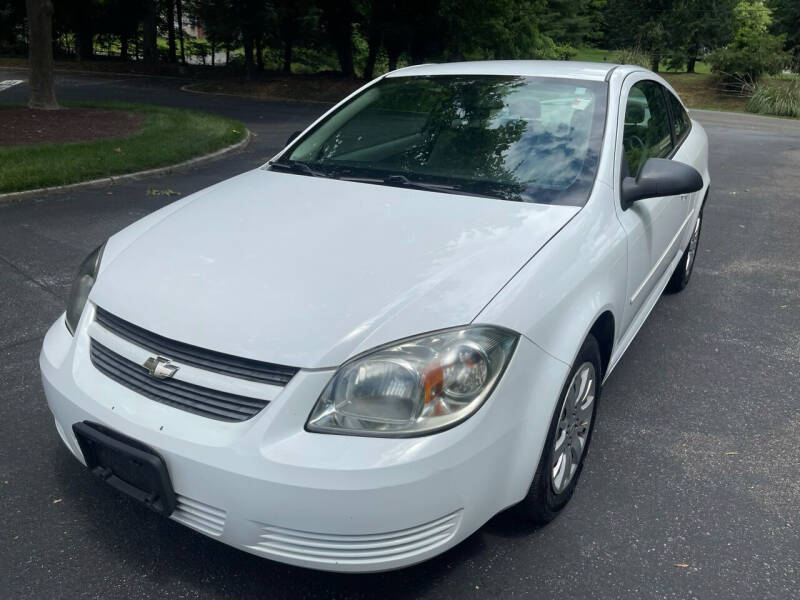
<point x="634" y="114"/>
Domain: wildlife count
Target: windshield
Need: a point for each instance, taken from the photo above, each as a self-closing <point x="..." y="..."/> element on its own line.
<point x="529" y="139"/>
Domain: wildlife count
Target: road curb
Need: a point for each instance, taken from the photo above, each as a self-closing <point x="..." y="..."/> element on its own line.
<point x="192" y="162"/>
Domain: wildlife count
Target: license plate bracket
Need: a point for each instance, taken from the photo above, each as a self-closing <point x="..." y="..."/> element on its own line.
<point x="127" y="465"/>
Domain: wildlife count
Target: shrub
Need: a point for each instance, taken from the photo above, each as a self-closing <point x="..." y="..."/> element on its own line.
<point x="565" y="52"/>
<point x="749" y="62"/>
<point x="781" y="99"/>
<point x="632" y="56"/>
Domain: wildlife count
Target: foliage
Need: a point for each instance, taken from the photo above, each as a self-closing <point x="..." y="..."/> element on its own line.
<point x="786" y="21"/>
<point x="573" y="22"/>
<point x="754" y="51"/>
<point x="776" y="99"/>
<point x="364" y="37"/>
<point x="494" y="29"/>
<point x="631" y="56"/>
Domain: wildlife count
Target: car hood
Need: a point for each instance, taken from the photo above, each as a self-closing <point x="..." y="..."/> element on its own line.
<point x="306" y="271"/>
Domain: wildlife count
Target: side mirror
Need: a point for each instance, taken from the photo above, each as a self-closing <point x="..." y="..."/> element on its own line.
<point x="291" y="137"/>
<point x="660" y="177"/>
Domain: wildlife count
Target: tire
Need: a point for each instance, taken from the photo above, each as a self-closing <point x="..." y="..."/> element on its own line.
<point x="683" y="272"/>
<point x="549" y="493"/>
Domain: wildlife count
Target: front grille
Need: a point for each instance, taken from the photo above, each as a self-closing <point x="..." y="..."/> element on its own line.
<point x="180" y="394"/>
<point x="210" y="360"/>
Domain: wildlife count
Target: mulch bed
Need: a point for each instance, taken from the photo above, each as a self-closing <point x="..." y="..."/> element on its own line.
<point x="23" y="126"/>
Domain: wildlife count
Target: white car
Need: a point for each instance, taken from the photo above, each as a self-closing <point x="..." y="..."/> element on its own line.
<point x="354" y="356"/>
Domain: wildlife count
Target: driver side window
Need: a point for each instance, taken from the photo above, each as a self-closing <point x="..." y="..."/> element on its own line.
<point x="647" y="130"/>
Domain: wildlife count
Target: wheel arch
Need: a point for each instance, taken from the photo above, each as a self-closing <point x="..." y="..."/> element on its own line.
<point x="603" y="331"/>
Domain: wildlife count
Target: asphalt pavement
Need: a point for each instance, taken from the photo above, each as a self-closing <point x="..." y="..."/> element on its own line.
<point x="691" y="488"/>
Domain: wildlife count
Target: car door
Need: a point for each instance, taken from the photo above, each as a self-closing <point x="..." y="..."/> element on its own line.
<point x="651" y="225"/>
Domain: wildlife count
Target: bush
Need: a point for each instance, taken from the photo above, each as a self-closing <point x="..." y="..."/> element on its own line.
<point x="749" y="62"/>
<point x="781" y="99"/>
<point x="632" y="56"/>
<point x="565" y="52"/>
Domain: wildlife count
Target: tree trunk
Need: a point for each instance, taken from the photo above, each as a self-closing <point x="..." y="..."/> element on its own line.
<point x="654" y="60"/>
<point x="288" y="46"/>
<point x="374" y="44"/>
<point x="248" y="55"/>
<point x="344" y="49"/>
<point x="180" y="30"/>
<point x="149" y="33"/>
<point x="259" y="54"/>
<point x="85" y="40"/>
<point x="393" y="54"/>
<point x="123" y="46"/>
<point x="171" y="31"/>
<point x="42" y="93"/>
<point x="213" y="50"/>
<point x="690" y="63"/>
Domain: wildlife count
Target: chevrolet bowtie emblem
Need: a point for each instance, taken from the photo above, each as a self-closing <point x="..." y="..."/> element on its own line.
<point x="160" y="367"/>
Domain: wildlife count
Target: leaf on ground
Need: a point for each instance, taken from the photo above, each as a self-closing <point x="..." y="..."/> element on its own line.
<point x="732" y="453"/>
<point x="682" y="565"/>
<point x="118" y="149"/>
<point x="167" y="192"/>
<point x="57" y="500"/>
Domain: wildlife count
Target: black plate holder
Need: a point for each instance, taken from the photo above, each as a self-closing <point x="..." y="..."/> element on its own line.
<point x="127" y="465"/>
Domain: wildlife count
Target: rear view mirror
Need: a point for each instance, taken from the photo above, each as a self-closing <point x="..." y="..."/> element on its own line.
<point x="292" y="137"/>
<point x="660" y="177"/>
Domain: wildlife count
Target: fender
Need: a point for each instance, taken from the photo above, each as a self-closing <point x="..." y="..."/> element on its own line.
<point x="582" y="272"/>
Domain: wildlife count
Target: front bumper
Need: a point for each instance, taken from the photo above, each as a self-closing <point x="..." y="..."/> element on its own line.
<point x="329" y="502"/>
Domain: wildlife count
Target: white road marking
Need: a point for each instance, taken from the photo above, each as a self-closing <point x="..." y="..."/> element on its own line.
<point x="7" y="83"/>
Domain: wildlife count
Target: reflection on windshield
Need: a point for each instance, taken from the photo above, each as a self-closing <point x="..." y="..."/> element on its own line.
<point x="515" y="138"/>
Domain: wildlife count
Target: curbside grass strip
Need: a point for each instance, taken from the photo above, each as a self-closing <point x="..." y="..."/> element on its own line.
<point x="192" y="162"/>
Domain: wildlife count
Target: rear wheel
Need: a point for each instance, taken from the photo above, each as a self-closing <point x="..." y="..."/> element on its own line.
<point x="568" y="439"/>
<point x="680" y="278"/>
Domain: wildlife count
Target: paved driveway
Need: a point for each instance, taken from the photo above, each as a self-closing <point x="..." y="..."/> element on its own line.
<point x="692" y="485"/>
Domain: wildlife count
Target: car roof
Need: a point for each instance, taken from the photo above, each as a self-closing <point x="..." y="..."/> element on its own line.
<point x="528" y="68"/>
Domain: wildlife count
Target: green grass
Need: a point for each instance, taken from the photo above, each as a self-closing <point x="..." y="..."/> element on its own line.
<point x="168" y="136"/>
<point x="594" y="55"/>
<point x="610" y="56"/>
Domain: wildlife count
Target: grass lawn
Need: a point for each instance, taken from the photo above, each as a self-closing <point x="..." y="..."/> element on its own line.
<point x="168" y="136"/>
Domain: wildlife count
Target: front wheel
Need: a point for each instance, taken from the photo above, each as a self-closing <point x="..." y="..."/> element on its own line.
<point x="567" y="440"/>
<point x="680" y="278"/>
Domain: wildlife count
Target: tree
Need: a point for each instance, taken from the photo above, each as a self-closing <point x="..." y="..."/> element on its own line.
<point x="179" y="6"/>
<point x="338" y="17"/>
<point x="294" y="22"/>
<point x="754" y="51"/>
<point x="643" y="24"/>
<point x="695" y="26"/>
<point x="40" y="55"/>
<point x="170" y="18"/>
<point x="786" y="21"/>
<point x="495" y="29"/>
<point x="150" y="32"/>
<point x="573" y="22"/>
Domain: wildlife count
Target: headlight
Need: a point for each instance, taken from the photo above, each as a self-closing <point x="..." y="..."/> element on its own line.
<point x="87" y="274"/>
<point x="414" y="387"/>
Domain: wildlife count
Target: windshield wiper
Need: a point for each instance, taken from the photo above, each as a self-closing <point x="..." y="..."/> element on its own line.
<point x="298" y="167"/>
<point x="403" y="181"/>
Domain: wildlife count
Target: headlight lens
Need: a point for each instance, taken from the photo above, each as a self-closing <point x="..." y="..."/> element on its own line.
<point x="84" y="281"/>
<point x="415" y="387"/>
